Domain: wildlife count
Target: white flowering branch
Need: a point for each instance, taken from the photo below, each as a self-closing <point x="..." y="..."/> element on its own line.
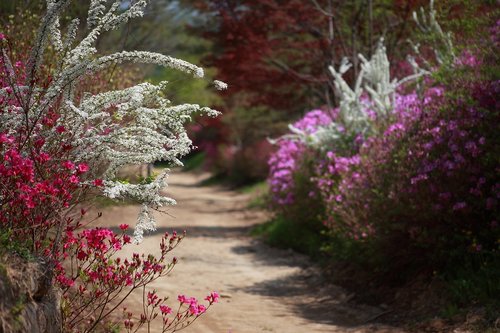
<point x="428" y="24"/>
<point x="112" y="129"/>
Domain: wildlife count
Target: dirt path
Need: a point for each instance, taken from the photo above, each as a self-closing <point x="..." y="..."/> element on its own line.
<point x="263" y="289"/>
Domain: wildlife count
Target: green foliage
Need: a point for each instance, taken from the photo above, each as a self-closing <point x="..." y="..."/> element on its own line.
<point x="450" y="311"/>
<point x="282" y="233"/>
<point x="344" y="249"/>
<point x="18" y="307"/>
<point x="299" y="226"/>
<point x="110" y="327"/>
<point x="165" y="29"/>
<point x="462" y="19"/>
<point x="9" y="245"/>
<point x="475" y="280"/>
<point x="194" y="161"/>
<point x="3" y="275"/>
<point x="258" y="193"/>
<point x="182" y="88"/>
<point x="104" y="202"/>
<point x="308" y="210"/>
<point x="215" y="179"/>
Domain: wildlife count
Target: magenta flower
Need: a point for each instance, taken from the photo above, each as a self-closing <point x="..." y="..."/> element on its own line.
<point x="165" y="310"/>
<point x="82" y="167"/>
<point x="213" y="297"/>
<point x="68" y="165"/>
<point x="284" y="161"/>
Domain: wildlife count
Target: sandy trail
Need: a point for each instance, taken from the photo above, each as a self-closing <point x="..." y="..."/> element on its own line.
<point x="263" y="289"/>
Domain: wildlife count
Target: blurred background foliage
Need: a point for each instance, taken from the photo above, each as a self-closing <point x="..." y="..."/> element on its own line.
<point x="165" y="28"/>
<point x="274" y="55"/>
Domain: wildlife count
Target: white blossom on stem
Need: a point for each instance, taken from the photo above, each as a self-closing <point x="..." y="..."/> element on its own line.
<point x="111" y="129"/>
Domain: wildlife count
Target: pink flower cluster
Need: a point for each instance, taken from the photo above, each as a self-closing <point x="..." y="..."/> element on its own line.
<point x="194" y="307"/>
<point x="430" y="173"/>
<point x="37" y="179"/>
<point x="92" y="273"/>
<point x="33" y="186"/>
<point x="284" y="161"/>
<point x="430" y="170"/>
<point x="338" y="172"/>
<point x="189" y="310"/>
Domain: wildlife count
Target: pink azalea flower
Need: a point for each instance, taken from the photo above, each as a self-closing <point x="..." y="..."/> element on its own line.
<point x="68" y="165"/>
<point x="165" y="309"/>
<point x="82" y="167"/>
<point x="74" y="179"/>
<point x="98" y="182"/>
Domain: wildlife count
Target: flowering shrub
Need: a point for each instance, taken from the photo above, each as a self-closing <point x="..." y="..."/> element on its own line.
<point x="285" y="161"/>
<point x="63" y="136"/>
<point x="406" y="176"/>
<point x="293" y="195"/>
<point x="98" y="282"/>
<point x="429" y="176"/>
<point x="188" y="311"/>
<point x="336" y="174"/>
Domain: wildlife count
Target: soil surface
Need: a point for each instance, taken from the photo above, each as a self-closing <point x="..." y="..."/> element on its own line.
<point x="263" y="289"/>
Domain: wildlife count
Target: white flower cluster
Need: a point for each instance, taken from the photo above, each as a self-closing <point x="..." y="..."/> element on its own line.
<point x="374" y="81"/>
<point x="111" y="129"/>
<point x="219" y="85"/>
<point x="373" y="89"/>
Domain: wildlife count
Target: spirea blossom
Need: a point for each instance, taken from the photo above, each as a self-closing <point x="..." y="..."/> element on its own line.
<point x="219" y="85"/>
<point x="104" y="131"/>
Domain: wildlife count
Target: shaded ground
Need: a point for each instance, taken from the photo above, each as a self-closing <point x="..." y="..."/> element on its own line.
<point x="263" y="289"/>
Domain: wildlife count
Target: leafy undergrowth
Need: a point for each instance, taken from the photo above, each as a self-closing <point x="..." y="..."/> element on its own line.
<point x="257" y="189"/>
<point x="194" y="162"/>
<point x="461" y="298"/>
<point x="279" y="233"/>
<point x="259" y="194"/>
<point x="12" y="246"/>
